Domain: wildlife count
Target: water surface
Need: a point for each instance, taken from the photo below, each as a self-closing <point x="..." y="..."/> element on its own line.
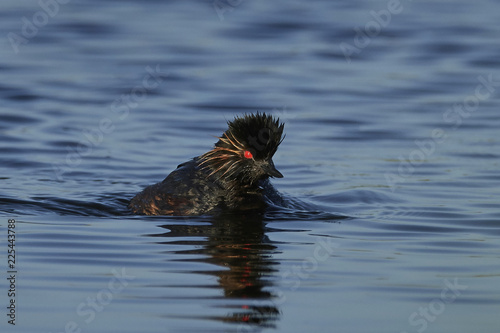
<point x="400" y="136"/>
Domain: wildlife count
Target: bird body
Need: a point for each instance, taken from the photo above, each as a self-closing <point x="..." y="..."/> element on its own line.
<point x="234" y="175"/>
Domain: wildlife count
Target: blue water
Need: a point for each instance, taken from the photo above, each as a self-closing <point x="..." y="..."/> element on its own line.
<point x="391" y="114"/>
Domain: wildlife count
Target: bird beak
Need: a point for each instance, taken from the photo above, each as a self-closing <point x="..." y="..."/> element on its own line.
<point x="271" y="170"/>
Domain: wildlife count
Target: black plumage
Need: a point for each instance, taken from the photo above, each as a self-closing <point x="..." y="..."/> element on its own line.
<point x="234" y="175"/>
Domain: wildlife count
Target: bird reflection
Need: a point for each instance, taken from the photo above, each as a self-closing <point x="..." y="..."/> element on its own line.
<point x="237" y="243"/>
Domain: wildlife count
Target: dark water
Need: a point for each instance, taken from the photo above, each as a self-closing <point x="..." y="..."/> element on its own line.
<point x="392" y="117"/>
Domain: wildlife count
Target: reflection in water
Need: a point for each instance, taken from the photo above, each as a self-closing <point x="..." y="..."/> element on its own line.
<point x="239" y="245"/>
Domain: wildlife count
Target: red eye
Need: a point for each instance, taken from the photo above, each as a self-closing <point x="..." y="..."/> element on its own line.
<point x="248" y="154"/>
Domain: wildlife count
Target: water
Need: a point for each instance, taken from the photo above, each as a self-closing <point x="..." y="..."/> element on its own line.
<point x="397" y="130"/>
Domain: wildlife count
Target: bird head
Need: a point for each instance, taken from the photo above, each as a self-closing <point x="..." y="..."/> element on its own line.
<point x="244" y="151"/>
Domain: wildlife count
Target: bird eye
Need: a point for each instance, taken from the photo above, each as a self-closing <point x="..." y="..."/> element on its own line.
<point x="248" y="154"/>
